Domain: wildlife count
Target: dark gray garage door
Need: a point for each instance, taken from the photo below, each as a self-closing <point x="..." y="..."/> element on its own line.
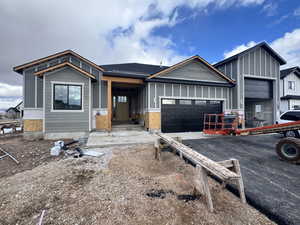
<point x="257" y="88"/>
<point x="186" y="115"/>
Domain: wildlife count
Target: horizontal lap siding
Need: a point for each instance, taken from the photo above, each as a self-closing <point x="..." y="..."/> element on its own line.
<point x="195" y="70"/>
<point x="66" y="121"/>
<point x="188" y="91"/>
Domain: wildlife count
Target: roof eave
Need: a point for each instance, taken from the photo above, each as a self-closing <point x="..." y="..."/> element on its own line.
<point x="19" y="69"/>
<point x="263" y="44"/>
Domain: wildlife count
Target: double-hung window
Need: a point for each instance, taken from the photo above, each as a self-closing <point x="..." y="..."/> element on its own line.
<point x="67" y="97"/>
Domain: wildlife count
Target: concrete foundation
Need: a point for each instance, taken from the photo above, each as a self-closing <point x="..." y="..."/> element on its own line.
<point x="70" y="135"/>
<point x="33" y="135"/>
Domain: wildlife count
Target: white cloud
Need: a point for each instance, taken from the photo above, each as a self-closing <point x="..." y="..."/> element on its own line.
<point x="270" y="8"/>
<point x="112" y="31"/>
<point x="10" y="90"/>
<point x="297" y="12"/>
<point x="239" y="49"/>
<point x="287" y="46"/>
<point x="9" y="95"/>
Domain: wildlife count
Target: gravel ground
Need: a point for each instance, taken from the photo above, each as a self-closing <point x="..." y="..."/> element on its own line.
<point x="126" y="186"/>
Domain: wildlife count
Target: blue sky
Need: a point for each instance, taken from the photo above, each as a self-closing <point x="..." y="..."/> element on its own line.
<point x="145" y="31"/>
<point x="211" y="33"/>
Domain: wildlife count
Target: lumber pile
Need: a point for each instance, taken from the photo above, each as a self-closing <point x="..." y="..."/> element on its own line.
<point x="204" y="166"/>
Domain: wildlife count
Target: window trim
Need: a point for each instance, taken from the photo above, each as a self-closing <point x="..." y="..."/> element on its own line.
<point x="67" y="83"/>
<point x="293" y="86"/>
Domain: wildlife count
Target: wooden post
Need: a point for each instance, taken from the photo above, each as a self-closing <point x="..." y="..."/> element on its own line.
<point x="239" y="182"/>
<point x="109" y="105"/>
<point x="205" y="188"/>
<point x="157" y="149"/>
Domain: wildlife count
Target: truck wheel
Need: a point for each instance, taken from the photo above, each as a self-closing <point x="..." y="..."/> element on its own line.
<point x="288" y="149"/>
<point x="292" y="133"/>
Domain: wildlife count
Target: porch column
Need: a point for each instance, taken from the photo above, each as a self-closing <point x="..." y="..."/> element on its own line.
<point x="109" y="105"/>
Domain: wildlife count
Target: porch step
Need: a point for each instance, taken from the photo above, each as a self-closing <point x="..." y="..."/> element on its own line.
<point x="105" y="139"/>
<point x="129" y="127"/>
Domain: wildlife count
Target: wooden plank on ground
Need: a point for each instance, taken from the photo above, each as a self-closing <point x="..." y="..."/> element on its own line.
<point x="199" y="159"/>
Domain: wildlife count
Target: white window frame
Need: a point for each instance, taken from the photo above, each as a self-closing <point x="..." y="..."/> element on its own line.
<point x="68" y="83"/>
<point x="293" y="87"/>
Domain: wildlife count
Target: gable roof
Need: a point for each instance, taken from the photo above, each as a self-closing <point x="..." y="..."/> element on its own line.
<point x="186" y="61"/>
<point x="58" y="66"/>
<point x="20" y="68"/>
<point x="263" y="45"/>
<point x="285" y="72"/>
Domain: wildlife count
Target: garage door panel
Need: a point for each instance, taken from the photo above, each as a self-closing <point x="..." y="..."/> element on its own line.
<point x="255" y="88"/>
<point x="178" y="117"/>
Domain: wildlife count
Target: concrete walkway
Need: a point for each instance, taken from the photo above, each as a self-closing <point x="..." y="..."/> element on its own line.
<point x="189" y="135"/>
<point x="128" y="137"/>
<point x="104" y="139"/>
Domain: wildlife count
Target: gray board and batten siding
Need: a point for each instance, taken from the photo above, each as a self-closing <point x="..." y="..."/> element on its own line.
<point x="167" y="90"/>
<point x="257" y="64"/>
<point x="33" y="85"/>
<point x="195" y="71"/>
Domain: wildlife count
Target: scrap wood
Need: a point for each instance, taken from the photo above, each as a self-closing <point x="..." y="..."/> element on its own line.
<point x="41" y="218"/>
<point x="9" y="155"/>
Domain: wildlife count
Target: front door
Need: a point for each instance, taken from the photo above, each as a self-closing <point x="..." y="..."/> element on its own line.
<point x="122" y="108"/>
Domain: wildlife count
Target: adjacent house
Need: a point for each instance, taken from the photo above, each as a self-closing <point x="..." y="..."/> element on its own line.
<point x="66" y="94"/>
<point x="15" y="112"/>
<point x="290" y="89"/>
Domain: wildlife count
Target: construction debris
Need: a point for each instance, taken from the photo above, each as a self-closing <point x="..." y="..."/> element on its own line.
<point x="41" y="218"/>
<point x="6" y="154"/>
<point x="72" y="149"/>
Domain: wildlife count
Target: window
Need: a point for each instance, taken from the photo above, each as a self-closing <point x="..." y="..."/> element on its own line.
<point x="168" y="101"/>
<point x="291" y="85"/>
<point x="296" y="107"/>
<point x="214" y="102"/>
<point x="293" y="116"/>
<point x="200" y="102"/>
<point x="122" y="99"/>
<point x="67" y="97"/>
<point x="185" y="102"/>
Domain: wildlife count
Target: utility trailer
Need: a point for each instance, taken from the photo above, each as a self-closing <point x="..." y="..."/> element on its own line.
<point x="287" y="149"/>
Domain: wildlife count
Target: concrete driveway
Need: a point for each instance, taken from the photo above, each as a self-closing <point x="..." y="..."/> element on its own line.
<point x="271" y="185"/>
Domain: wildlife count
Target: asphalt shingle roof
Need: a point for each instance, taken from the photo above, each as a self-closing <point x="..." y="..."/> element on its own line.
<point x="134" y="69"/>
<point x="285" y="72"/>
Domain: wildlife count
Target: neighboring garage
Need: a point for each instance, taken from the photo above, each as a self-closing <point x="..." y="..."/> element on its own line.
<point x="258" y="102"/>
<point x="183" y="115"/>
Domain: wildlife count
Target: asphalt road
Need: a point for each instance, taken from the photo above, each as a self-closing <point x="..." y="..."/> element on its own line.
<point x="271" y="185"/>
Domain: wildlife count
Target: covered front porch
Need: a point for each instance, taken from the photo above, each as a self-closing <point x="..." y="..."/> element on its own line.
<point x="125" y="104"/>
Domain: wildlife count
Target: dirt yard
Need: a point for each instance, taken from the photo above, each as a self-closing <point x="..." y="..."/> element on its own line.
<point x="126" y="186"/>
<point x="30" y="154"/>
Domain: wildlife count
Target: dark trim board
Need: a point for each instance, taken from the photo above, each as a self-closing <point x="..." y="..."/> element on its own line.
<point x="194" y="82"/>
